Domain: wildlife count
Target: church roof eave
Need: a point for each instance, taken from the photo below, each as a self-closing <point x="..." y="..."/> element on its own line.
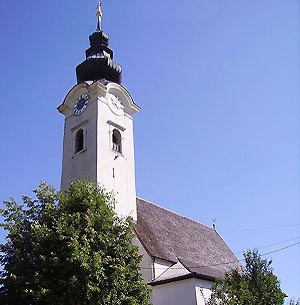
<point x="181" y="278"/>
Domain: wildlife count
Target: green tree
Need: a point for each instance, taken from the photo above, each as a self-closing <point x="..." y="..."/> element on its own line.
<point x="254" y="284"/>
<point x="69" y="248"/>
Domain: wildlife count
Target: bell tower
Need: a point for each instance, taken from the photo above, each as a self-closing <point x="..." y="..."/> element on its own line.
<point x="98" y="132"/>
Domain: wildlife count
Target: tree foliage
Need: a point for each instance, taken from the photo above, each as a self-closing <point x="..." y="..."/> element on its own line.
<point x="254" y="284"/>
<point x="69" y="248"/>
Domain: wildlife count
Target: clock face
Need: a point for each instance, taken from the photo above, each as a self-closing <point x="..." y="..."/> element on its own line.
<point x="81" y="104"/>
<point x="115" y="104"/>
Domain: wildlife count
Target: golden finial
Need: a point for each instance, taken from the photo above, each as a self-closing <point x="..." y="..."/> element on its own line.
<point x="99" y="15"/>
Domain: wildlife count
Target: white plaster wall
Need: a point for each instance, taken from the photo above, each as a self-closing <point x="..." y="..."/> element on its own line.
<point x="97" y="161"/>
<point x="146" y="263"/>
<point x="203" y="291"/>
<point x="82" y="164"/>
<point x="123" y="182"/>
<point x="160" y="266"/>
<point x="175" y="293"/>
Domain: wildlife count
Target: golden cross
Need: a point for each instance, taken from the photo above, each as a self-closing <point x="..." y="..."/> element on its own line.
<point x="99" y="15"/>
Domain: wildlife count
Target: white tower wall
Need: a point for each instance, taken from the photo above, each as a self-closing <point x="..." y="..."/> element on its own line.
<point x="98" y="160"/>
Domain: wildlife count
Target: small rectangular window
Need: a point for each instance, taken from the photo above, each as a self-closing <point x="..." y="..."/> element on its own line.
<point x="117" y="141"/>
<point x="79" y="140"/>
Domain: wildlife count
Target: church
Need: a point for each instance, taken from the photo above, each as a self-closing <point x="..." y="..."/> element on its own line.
<point x="181" y="257"/>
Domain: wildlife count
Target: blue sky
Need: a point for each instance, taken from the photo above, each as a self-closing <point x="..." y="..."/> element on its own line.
<point x="218" y="136"/>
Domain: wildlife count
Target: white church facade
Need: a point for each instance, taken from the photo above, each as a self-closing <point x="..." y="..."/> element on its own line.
<point x="181" y="257"/>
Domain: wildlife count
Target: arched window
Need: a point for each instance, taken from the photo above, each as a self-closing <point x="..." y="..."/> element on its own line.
<point x="117" y="141"/>
<point x="79" y="140"/>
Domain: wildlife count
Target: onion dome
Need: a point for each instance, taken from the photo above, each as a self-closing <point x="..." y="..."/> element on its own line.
<point x="99" y="63"/>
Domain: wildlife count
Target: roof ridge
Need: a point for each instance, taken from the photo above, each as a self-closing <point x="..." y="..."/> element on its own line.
<point x="175" y="213"/>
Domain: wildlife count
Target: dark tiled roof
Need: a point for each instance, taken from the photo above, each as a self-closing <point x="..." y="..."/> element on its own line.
<point x="172" y="237"/>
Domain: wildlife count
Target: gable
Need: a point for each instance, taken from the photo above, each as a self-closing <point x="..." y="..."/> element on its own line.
<point x="172" y="237"/>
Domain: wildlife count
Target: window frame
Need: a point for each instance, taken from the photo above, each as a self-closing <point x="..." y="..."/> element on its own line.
<point x="116" y="145"/>
<point x="78" y="147"/>
<point x="74" y="130"/>
<point x="121" y="130"/>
